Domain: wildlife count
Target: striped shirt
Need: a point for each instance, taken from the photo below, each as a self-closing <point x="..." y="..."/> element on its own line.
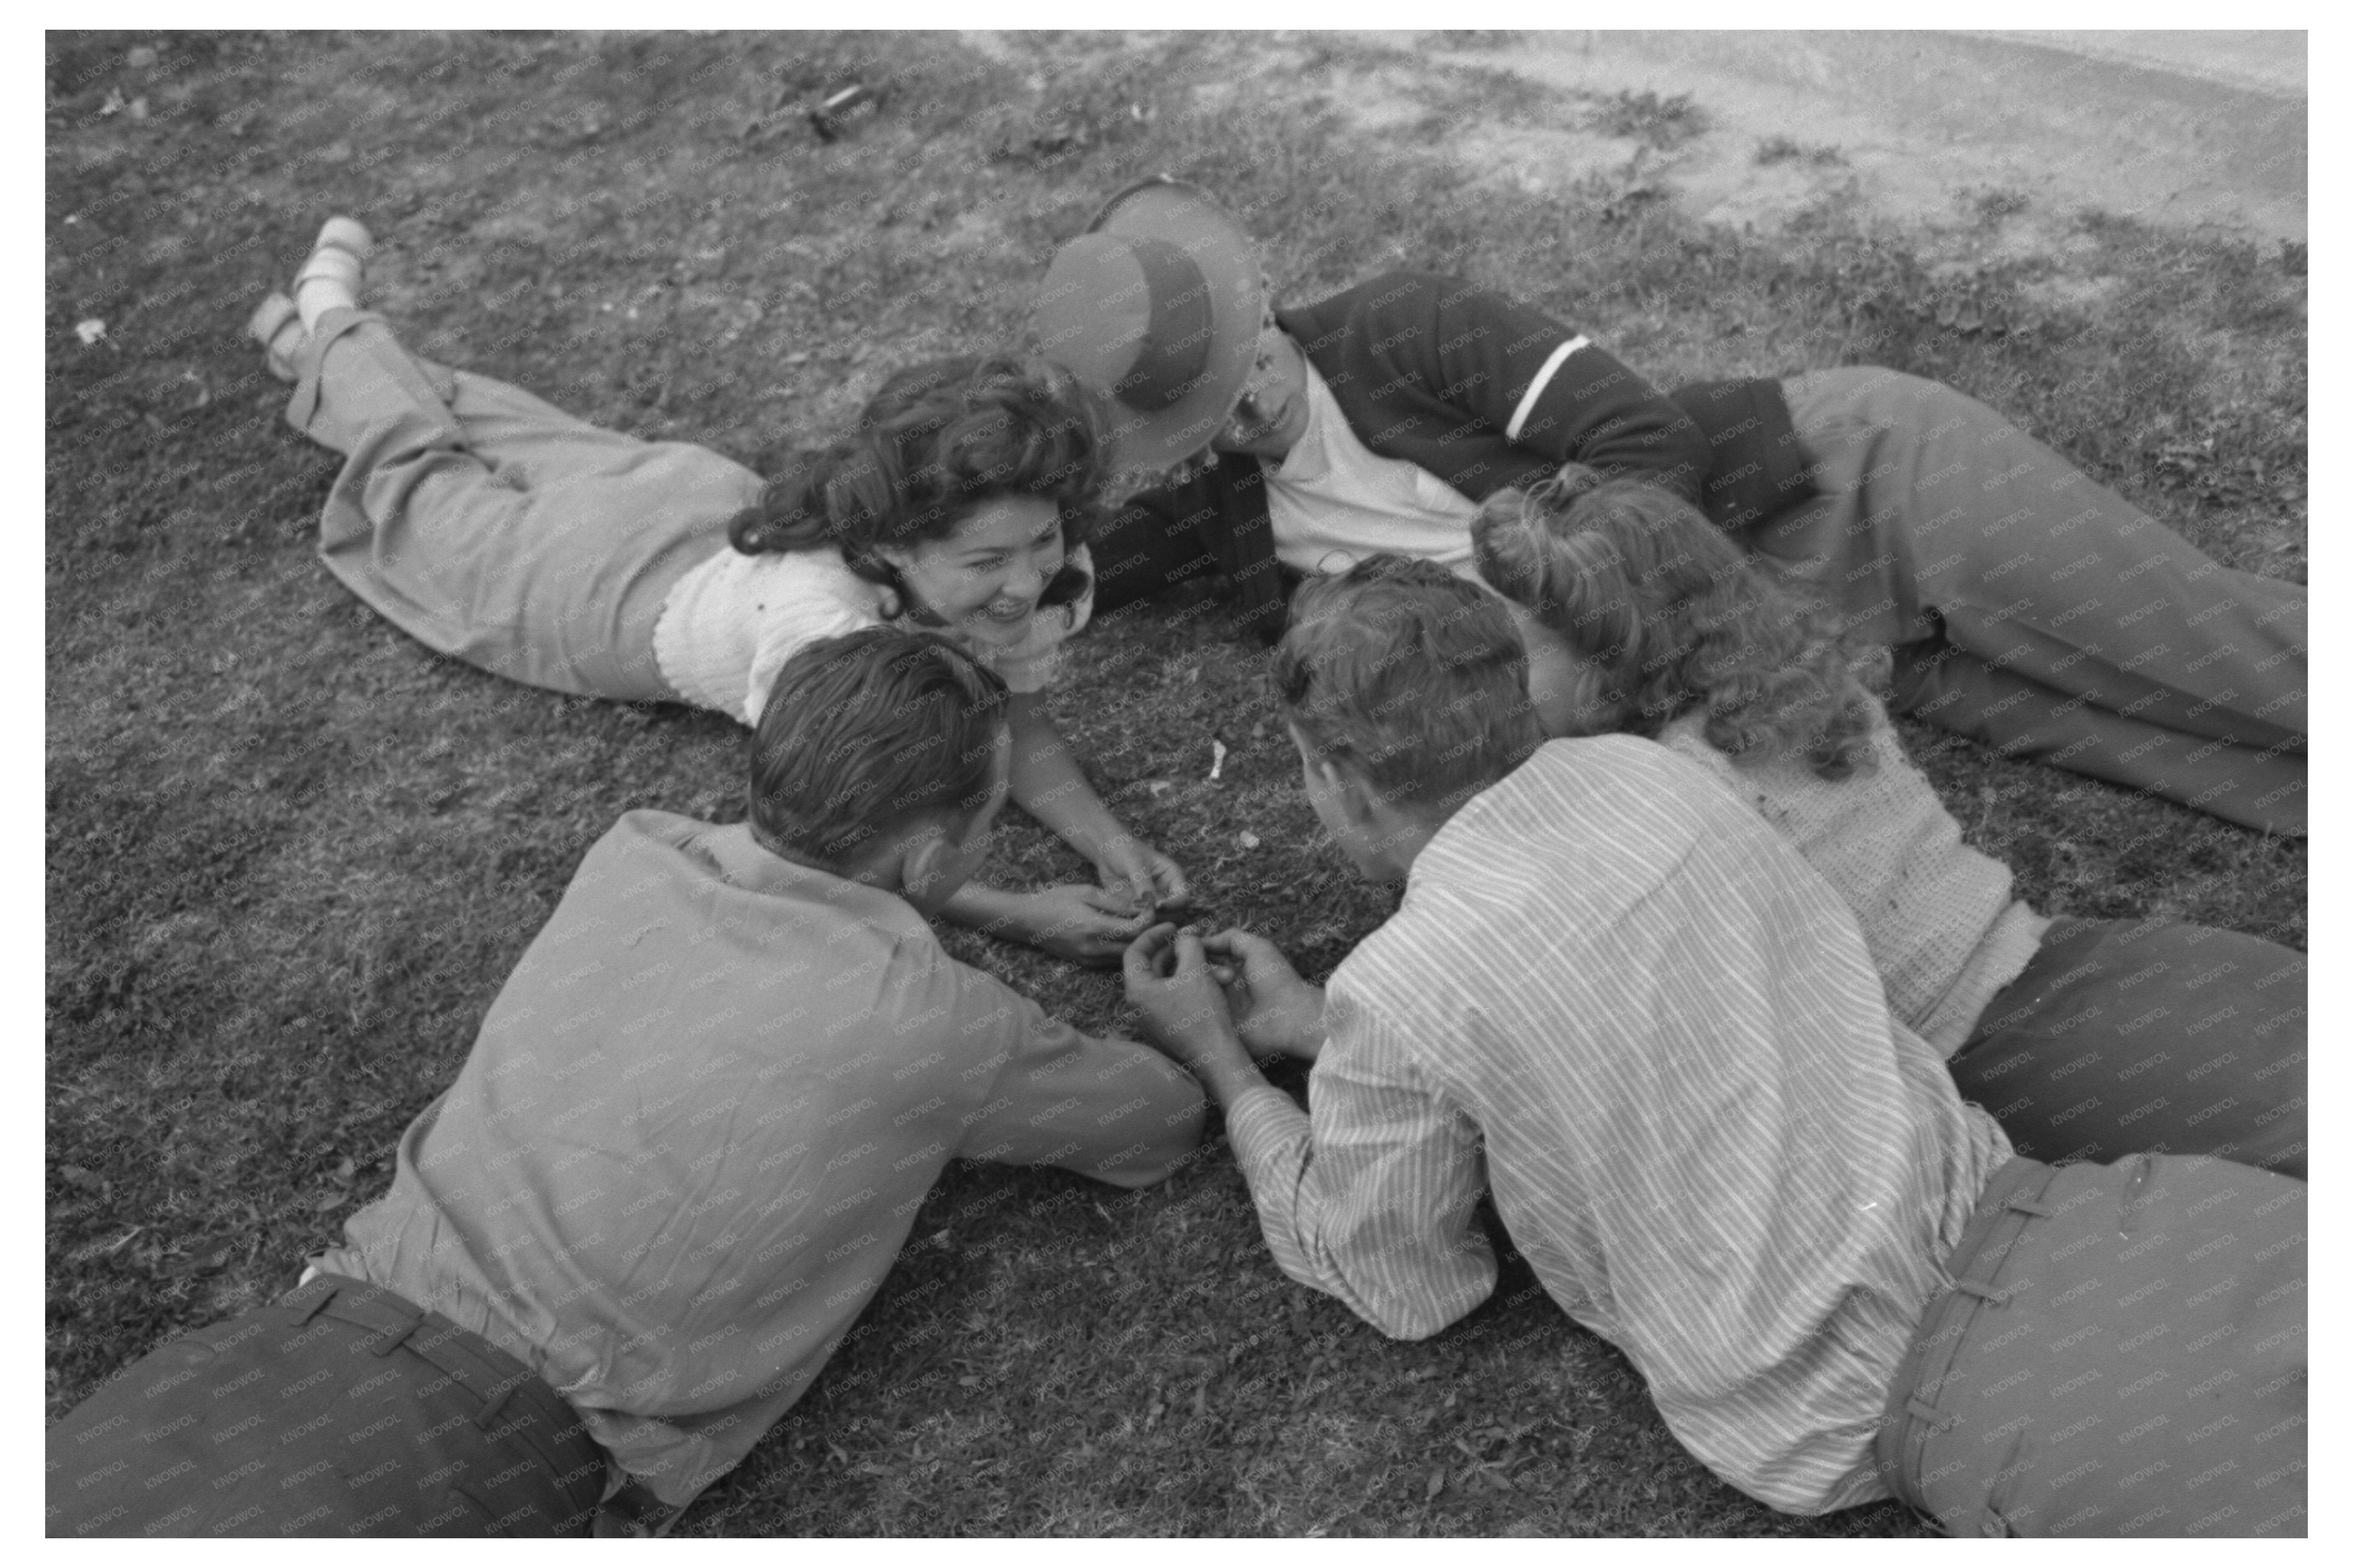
<point x="1616" y="997"/>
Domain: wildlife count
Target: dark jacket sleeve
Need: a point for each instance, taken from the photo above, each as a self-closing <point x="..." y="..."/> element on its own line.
<point x="1430" y="349"/>
<point x="1757" y="465"/>
<point x="1587" y="407"/>
<point x="1215" y="524"/>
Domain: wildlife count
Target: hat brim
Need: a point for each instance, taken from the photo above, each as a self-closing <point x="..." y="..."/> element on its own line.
<point x="1187" y="216"/>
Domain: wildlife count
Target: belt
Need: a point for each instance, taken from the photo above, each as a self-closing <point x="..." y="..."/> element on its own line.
<point x="2009" y="1202"/>
<point x="505" y="1386"/>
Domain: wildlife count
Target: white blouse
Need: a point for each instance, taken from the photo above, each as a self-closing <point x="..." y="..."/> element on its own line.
<point x="730" y="624"/>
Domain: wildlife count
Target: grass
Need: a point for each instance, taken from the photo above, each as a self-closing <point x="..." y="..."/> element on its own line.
<point x="1664" y="123"/>
<point x="1787" y="148"/>
<point x="292" y="857"/>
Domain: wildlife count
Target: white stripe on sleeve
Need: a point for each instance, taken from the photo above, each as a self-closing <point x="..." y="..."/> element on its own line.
<point x="1544" y="378"/>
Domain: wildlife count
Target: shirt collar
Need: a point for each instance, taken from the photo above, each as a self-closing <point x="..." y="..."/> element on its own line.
<point x="1308" y="459"/>
<point x="728" y="852"/>
<point x="1462" y="833"/>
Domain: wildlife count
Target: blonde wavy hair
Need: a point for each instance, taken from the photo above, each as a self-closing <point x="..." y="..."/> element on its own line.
<point x="1670" y="619"/>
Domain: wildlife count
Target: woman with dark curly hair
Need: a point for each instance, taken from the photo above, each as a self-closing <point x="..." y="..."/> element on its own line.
<point x="498" y="530"/>
<point x="2087" y="1039"/>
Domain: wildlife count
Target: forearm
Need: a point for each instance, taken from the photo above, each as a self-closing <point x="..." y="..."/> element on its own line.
<point x="1312" y="1238"/>
<point x="1226" y="1072"/>
<point x="990" y="910"/>
<point x="1303" y="1032"/>
<point x="1044" y="920"/>
<point x="1609" y="418"/>
<point x="1371" y="1200"/>
<point x="1556" y="392"/>
<point x="1048" y="783"/>
<point x="1124" y="1114"/>
<point x="1112" y="1108"/>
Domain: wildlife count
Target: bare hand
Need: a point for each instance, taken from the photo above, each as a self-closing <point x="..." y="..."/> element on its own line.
<point x="1151" y="881"/>
<point x="1086" y="925"/>
<point x="1274" y="1010"/>
<point x="1184" y="1013"/>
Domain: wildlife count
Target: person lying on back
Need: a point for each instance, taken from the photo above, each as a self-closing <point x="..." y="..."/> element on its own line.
<point x="679" y="1160"/>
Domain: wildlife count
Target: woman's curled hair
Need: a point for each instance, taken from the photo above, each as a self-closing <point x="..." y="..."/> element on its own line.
<point x="938" y="441"/>
<point x="1671" y="618"/>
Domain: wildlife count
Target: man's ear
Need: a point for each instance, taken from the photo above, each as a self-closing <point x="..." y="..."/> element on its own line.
<point x="1356" y="798"/>
<point x="923" y="860"/>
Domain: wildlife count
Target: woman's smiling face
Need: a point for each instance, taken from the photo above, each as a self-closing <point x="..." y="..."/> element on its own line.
<point x="987" y="576"/>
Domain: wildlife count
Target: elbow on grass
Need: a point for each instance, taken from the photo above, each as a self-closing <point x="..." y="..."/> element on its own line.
<point x="1165" y="1145"/>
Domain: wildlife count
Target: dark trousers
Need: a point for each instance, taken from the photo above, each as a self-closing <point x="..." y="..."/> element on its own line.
<point x="2029" y="608"/>
<point x="2034" y="611"/>
<point x="2122" y="1353"/>
<point x="338" y="1410"/>
<point x="2128" y="1037"/>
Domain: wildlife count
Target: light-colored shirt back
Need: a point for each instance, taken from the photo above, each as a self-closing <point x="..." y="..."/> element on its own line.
<point x="1616" y="997"/>
<point x="697" y="1125"/>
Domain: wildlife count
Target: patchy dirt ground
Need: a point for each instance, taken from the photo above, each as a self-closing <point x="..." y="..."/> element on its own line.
<point x="1921" y="129"/>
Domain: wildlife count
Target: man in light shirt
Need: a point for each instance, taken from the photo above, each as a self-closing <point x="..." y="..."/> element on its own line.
<point x="1613" y="997"/>
<point x="691" y="1137"/>
<point x="2028" y="608"/>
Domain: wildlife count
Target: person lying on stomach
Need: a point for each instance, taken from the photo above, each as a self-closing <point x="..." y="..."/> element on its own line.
<point x="1617" y="998"/>
<point x="679" y="1160"/>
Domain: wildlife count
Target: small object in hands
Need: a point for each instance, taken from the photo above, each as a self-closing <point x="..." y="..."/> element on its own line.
<point x="1161" y="907"/>
<point x="1217" y="759"/>
<point x="1223" y="971"/>
<point x="841" y="110"/>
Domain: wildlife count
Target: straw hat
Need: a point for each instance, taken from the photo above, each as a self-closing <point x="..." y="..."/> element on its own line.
<point x="1157" y="307"/>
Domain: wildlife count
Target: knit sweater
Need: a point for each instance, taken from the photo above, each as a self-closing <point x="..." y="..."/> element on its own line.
<point x="1937" y="916"/>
